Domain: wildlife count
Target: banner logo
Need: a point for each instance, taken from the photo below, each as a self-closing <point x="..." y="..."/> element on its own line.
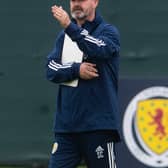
<point x="145" y="126"/>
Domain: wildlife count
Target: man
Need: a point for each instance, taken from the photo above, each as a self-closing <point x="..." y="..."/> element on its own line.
<point x="84" y="62"/>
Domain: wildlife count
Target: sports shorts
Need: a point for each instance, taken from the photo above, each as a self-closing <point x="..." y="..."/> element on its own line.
<point x="95" y="148"/>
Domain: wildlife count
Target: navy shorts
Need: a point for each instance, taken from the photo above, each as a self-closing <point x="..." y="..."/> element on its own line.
<point x="95" y="148"/>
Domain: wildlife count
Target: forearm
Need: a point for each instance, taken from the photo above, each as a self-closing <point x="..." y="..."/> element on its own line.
<point x="98" y="48"/>
<point x="59" y="73"/>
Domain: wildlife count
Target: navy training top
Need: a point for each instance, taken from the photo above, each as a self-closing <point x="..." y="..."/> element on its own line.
<point x="93" y="104"/>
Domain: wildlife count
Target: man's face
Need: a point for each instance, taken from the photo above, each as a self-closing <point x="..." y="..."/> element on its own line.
<point x="82" y="9"/>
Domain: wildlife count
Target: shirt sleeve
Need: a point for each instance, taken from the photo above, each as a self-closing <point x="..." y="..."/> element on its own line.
<point x="55" y="70"/>
<point x="103" y="46"/>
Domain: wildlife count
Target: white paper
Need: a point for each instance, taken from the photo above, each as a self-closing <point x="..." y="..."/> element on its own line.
<point x="71" y="53"/>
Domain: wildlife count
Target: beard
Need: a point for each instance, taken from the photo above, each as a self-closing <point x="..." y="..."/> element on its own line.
<point x="78" y="14"/>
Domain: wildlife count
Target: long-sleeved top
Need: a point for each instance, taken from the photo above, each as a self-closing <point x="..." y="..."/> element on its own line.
<point x="93" y="104"/>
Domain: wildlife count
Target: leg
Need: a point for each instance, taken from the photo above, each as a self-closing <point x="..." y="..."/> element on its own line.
<point x="98" y="150"/>
<point x="64" y="153"/>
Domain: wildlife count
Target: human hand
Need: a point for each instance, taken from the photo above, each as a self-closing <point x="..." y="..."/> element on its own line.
<point x="61" y="15"/>
<point x="88" y="71"/>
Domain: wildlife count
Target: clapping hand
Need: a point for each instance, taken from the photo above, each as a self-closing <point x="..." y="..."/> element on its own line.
<point x="61" y="15"/>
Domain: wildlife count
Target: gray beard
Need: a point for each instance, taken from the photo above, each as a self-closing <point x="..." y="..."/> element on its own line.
<point x="82" y="16"/>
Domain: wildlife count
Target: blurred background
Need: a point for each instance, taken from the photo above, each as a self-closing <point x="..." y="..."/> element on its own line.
<point x="27" y="99"/>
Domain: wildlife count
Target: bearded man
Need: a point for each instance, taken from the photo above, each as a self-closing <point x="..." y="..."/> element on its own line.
<point x="84" y="64"/>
